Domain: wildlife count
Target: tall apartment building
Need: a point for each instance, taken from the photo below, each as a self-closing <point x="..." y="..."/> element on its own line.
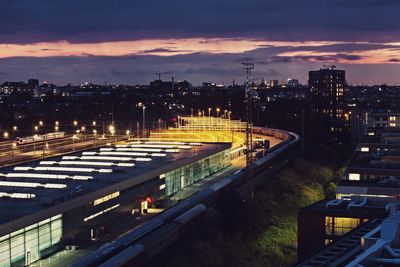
<point x="327" y="90"/>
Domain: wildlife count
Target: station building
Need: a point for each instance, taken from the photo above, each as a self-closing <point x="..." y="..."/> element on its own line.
<point x="65" y="200"/>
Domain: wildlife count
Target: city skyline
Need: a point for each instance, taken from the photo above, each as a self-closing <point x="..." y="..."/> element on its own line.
<point x="126" y="43"/>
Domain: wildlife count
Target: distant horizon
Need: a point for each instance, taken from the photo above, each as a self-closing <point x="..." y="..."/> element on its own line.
<point x="237" y="82"/>
<point x="127" y="42"/>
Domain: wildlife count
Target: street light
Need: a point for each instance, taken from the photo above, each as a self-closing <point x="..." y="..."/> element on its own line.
<point x="128" y="134"/>
<point x="15" y="128"/>
<point x="14" y="145"/>
<point x="94" y="136"/>
<point x="56" y="128"/>
<point x="144" y="121"/>
<point x="40" y="123"/>
<point x="45" y="148"/>
<point x="56" y="123"/>
<point x="36" y="128"/>
<point x="111" y="128"/>
<point x="93" y="123"/>
<point x="218" y="110"/>
<point x="73" y="142"/>
<point x="6" y="135"/>
<point x="75" y="123"/>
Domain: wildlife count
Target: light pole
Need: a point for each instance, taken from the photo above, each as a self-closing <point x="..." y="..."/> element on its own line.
<point x="128" y="134"/>
<point x="56" y="126"/>
<point x="209" y="117"/>
<point x="144" y="121"/>
<point x="75" y="124"/>
<point x="138" y="129"/>
<point x="15" y="128"/>
<point x="94" y="136"/>
<point x="44" y="148"/>
<point x="111" y="128"/>
<point x="34" y="140"/>
<point x="14" y="145"/>
<point x="73" y="142"/>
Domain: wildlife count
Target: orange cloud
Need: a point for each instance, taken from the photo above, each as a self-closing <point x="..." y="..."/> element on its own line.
<point x="158" y="47"/>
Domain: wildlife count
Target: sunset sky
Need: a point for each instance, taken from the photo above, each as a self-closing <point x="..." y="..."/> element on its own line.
<point x="128" y="41"/>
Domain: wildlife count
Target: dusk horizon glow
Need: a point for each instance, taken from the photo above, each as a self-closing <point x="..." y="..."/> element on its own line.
<point x="199" y="42"/>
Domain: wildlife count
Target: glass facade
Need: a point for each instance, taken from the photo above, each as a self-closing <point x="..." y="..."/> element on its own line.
<point x="27" y="245"/>
<point x="191" y="173"/>
<point x="337" y="226"/>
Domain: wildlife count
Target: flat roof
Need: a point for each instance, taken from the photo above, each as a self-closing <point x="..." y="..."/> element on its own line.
<point x="377" y="154"/>
<point x="370" y="210"/>
<point x="43" y="188"/>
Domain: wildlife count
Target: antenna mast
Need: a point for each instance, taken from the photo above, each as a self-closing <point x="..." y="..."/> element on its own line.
<point x="249" y="113"/>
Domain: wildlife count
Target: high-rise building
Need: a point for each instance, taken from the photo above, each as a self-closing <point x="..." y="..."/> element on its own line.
<point x="327" y="87"/>
<point x="327" y="90"/>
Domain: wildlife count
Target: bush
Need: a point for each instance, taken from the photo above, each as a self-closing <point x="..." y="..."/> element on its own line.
<point x="264" y="231"/>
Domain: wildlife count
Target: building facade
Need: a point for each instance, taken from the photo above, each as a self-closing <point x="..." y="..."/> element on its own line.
<point x="84" y="208"/>
<point x="327" y="90"/>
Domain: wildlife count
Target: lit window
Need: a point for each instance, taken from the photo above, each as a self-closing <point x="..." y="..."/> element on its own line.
<point x="354" y="176"/>
<point x="392" y="124"/>
<point x="100" y="213"/>
<point x="392" y="118"/>
<point x="106" y="198"/>
<point x="365" y="149"/>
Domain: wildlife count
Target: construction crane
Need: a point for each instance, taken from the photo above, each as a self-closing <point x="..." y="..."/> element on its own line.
<point x="161" y="73"/>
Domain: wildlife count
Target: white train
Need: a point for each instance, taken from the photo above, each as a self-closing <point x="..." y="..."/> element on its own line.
<point x="39" y="138"/>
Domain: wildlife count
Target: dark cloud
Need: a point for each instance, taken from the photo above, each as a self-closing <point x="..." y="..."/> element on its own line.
<point x="120" y="73"/>
<point x="27" y="21"/>
<point x="243" y="59"/>
<point x="278" y="59"/>
<point x="195" y="68"/>
<point x="327" y="58"/>
<point x="338" y="48"/>
<point x="352" y="21"/>
<point x="213" y="71"/>
<point x="162" y="50"/>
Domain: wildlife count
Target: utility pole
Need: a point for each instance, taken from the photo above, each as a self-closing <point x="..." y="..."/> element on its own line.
<point x="249" y="113"/>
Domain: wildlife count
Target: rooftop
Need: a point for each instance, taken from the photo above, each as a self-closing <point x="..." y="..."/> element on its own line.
<point x="348" y="207"/>
<point x="81" y="177"/>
